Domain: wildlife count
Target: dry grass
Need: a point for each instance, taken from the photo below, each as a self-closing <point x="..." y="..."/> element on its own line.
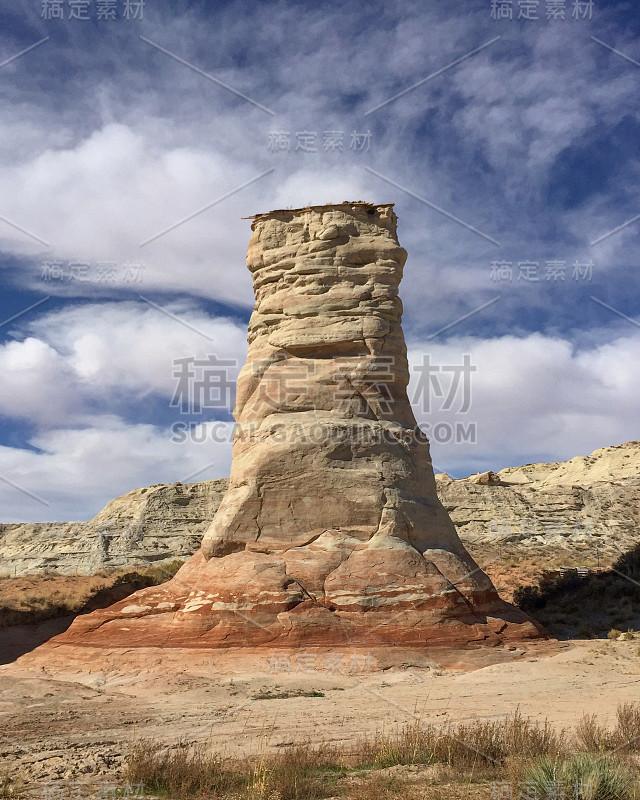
<point x="181" y="771"/>
<point x="511" y="565"/>
<point x="302" y="771"/>
<point x="624" y="737"/>
<point x="10" y="789"/>
<point x="267" y="693"/>
<point x="472" y="746"/>
<point x="34" y="598"/>
<point x="459" y="760"/>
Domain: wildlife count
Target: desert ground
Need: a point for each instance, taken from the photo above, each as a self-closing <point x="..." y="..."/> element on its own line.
<point x="71" y="714"/>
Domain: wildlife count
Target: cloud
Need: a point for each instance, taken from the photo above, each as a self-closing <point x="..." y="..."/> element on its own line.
<point x="36" y="382"/>
<point x="480" y="140"/>
<point x="84" y="359"/>
<point x="531" y="398"/>
<point x="95" y="382"/>
<point x="106" y="142"/>
<point x="77" y="471"/>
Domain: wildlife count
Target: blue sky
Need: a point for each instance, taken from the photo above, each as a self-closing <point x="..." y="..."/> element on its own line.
<point x="519" y="144"/>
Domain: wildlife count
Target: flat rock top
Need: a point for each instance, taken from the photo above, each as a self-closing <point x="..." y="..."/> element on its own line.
<point x="161" y="498"/>
<point x="326" y="207"/>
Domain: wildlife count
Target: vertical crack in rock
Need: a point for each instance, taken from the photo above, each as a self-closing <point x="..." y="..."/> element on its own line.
<point x="258" y="512"/>
<point x="331" y="493"/>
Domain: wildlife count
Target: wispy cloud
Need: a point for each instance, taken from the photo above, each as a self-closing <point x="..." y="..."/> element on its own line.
<point x="527" y="140"/>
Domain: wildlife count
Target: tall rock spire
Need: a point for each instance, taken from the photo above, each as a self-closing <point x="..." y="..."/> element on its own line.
<point x="331" y="529"/>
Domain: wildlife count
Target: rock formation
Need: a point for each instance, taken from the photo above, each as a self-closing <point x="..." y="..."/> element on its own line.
<point x="330" y="530"/>
<point x="579" y="513"/>
<point x="588" y="507"/>
<point x="141" y="527"/>
<point x="568" y="507"/>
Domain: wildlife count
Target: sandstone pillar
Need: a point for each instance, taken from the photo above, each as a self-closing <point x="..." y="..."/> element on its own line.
<point x="330" y="530"/>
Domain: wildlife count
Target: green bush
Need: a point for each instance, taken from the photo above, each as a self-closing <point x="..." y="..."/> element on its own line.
<point x="581" y="777"/>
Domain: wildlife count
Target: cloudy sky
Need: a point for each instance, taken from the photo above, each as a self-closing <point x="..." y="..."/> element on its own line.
<point x="132" y="147"/>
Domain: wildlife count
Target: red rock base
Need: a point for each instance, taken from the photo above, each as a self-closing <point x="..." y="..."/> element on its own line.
<point x="235" y="601"/>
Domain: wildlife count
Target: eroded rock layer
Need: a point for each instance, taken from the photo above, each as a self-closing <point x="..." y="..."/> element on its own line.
<point x="145" y="526"/>
<point x="330" y="529"/>
<point x="582" y="511"/>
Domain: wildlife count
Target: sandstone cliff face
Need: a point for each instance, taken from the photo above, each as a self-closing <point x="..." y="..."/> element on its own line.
<point x="589" y="505"/>
<point x="143" y="526"/>
<point x="330" y="529"/>
<point x="608" y="464"/>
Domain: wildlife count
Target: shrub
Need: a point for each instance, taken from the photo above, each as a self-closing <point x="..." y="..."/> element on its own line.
<point x="527" y="751"/>
<point x="9" y="789"/>
<point x="273" y="694"/>
<point x="182" y="771"/>
<point x="593" y="737"/>
<point x="627" y="733"/>
<point x="629" y="565"/>
<point x="581" y="777"/>
<point x="529" y="598"/>
<point x="161" y="573"/>
<point x="300" y="772"/>
<point x="488" y="743"/>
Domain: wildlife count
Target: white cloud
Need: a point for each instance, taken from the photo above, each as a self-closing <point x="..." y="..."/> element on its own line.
<point x="78" y="471"/>
<point x="88" y="354"/>
<point x="126" y="152"/>
<point x="68" y="378"/>
<point x="532" y="398"/>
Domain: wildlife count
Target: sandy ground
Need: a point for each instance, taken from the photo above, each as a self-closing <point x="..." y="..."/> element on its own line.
<point x="69" y="714"/>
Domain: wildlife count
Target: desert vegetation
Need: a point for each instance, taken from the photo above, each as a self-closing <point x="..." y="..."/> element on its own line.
<point x="497" y="759"/>
<point x="571" y="606"/>
<point x="30" y="599"/>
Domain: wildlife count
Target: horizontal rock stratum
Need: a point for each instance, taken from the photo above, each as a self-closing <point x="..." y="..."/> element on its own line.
<point x="330" y="530"/>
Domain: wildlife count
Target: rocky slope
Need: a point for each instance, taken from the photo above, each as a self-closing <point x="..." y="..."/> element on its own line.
<point x="588" y="505"/>
<point x="146" y="525"/>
